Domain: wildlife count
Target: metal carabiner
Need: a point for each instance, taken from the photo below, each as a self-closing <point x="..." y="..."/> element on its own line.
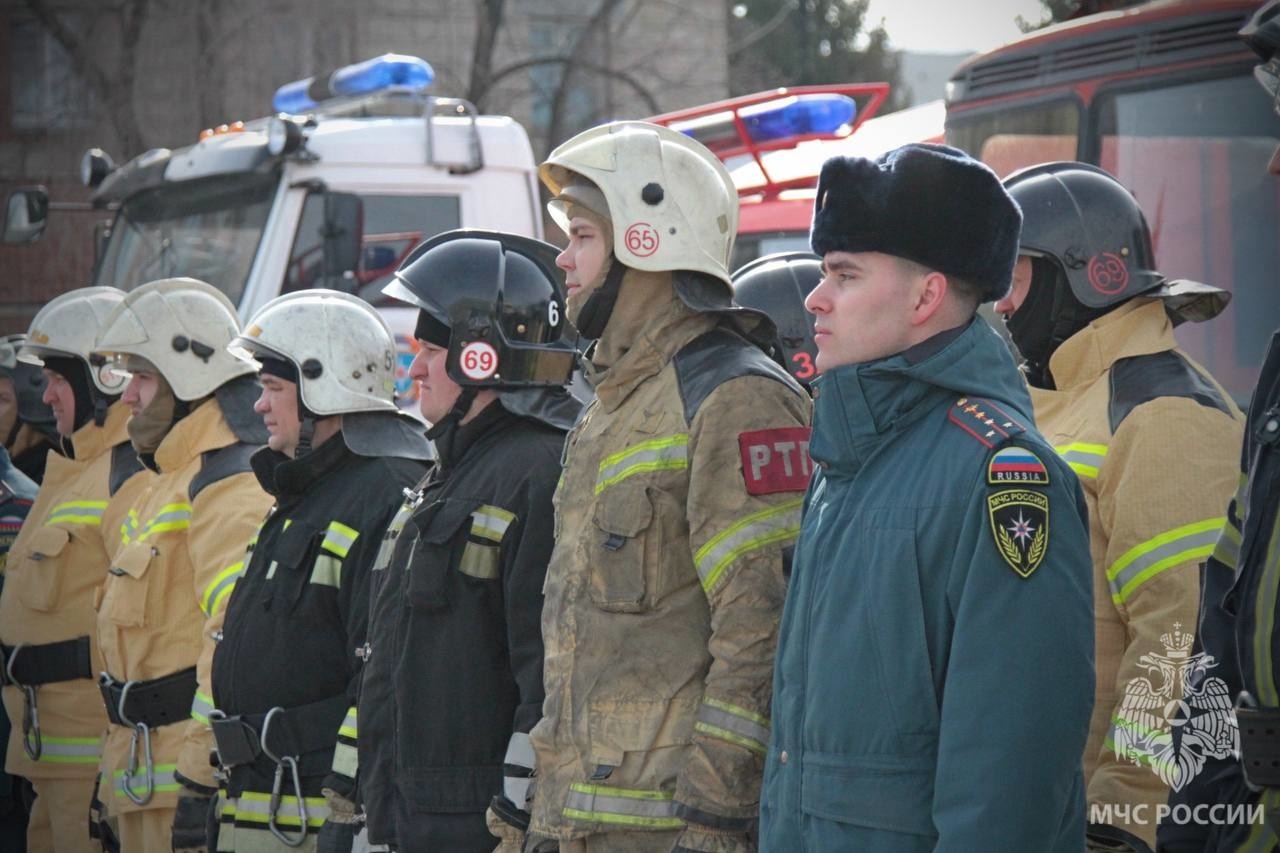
<point x="278" y="782"/>
<point x="32" y="743"/>
<point x="143" y="730"/>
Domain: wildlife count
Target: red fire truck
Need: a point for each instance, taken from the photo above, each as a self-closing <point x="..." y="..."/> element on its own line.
<point x="1161" y="95"/>
<point x="774" y="144"/>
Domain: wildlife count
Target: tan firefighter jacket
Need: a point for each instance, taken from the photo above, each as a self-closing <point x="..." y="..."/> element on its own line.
<point x="1155" y="442"/>
<point x="55" y="567"/>
<point x="177" y="554"/>
<point x="666" y="584"/>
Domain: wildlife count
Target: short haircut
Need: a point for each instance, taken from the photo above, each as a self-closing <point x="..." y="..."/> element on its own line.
<point x="969" y="293"/>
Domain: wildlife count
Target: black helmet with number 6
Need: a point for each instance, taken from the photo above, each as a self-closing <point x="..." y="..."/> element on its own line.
<point x="777" y="285"/>
<point x="495" y="302"/>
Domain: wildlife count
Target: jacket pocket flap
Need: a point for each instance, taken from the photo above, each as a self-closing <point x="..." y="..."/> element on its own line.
<point x="622" y="725"/>
<point x="133" y="560"/>
<point x="442" y="520"/>
<point x="295" y="544"/>
<point x="49" y="542"/>
<point x="886" y="792"/>
<point x="624" y="510"/>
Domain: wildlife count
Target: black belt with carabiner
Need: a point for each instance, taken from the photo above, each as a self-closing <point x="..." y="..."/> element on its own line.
<point x="282" y="735"/>
<point x="143" y="706"/>
<point x="27" y="667"/>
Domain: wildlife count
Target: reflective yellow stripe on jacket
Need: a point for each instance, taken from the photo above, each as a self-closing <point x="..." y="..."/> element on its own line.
<point x="670" y="453"/>
<point x="1144" y="561"/>
<point x="776" y="524"/>
<point x="622" y="806"/>
<point x="1085" y="459"/>
<point x="77" y="512"/>
<point x="175" y="516"/>
<point x="733" y="724"/>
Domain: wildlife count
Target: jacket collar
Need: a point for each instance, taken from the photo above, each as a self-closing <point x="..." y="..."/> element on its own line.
<point x="91" y="439"/>
<point x="657" y="342"/>
<point x="287" y="479"/>
<point x="204" y="429"/>
<point x="859" y="407"/>
<point x="1139" y="327"/>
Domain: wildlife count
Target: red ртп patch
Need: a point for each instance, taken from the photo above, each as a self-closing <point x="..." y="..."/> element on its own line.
<point x="776" y="460"/>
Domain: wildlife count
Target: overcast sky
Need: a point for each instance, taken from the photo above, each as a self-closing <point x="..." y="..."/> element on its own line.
<point x="951" y="26"/>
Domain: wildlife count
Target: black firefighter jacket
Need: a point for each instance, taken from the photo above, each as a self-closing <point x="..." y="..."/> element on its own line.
<point x="455" y="661"/>
<point x="297" y="617"/>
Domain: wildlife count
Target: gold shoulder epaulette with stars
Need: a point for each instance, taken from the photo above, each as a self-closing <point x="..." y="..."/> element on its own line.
<point x="984" y="420"/>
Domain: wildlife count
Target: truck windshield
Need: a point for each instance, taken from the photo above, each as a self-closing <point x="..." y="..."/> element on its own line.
<point x="207" y="229"/>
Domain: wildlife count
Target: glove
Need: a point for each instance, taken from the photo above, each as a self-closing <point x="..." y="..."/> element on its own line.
<point x="191" y="823"/>
<point x="338" y="834"/>
<point x="511" y="837"/>
<point x="101" y="828"/>
<point x="700" y="839"/>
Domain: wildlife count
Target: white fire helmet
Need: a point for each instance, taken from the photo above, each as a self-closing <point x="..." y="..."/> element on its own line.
<point x="671" y="201"/>
<point x="68" y="326"/>
<point x="182" y="327"/>
<point x="341" y="347"/>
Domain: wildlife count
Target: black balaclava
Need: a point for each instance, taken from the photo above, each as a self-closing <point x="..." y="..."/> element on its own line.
<point x="76" y="372"/>
<point x="288" y="371"/>
<point x="1048" y="316"/>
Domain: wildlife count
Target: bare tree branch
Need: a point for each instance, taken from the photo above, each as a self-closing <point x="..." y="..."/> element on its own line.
<point x="778" y="19"/>
<point x="587" y="65"/>
<point x="489" y="14"/>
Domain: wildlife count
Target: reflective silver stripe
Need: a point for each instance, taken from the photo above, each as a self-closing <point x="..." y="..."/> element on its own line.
<point x="346" y="760"/>
<point x="520" y="751"/>
<point x="1227" y="551"/>
<point x="669" y="452"/>
<point x="778" y="523"/>
<point x="1144" y="561"/>
<point x="623" y="806"/>
<point x="255" y="807"/>
<point x="201" y="706"/>
<point x="339" y="538"/>
<point x="516" y="789"/>
<point x="491" y="522"/>
<point x="71" y="750"/>
<point x="1085" y="459"/>
<point x="734" y="724"/>
<point x="327" y="571"/>
<point x="165" y="783"/>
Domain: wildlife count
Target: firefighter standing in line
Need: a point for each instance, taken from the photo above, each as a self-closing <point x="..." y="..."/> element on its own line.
<point x="1239" y="604"/>
<point x="27" y="427"/>
<point x="339" y="456"/>
<point x="453" y="668"/>
<point x="56" y="567"/>
<point x="681" y="491"/>
<point x="777" y="286"/>
<point x="1121" y="404"/>
<point x="184" y="536"/>
<point x="935" y="668"/>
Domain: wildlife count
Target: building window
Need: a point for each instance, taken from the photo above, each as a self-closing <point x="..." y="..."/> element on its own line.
<point x="46" y="93"/>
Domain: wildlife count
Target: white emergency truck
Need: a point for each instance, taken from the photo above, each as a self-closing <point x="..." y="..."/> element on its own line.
<point x="354" y="169"/>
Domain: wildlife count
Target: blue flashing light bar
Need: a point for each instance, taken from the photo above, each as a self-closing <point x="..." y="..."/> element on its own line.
<point x="772" y="121"/>
<point x="362" y="78"/>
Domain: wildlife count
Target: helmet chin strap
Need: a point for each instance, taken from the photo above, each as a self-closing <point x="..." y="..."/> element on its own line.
<point x="598" y="307"/>
<point x="449" y="422"/>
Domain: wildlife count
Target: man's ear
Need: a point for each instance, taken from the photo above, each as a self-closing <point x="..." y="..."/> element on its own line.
<point x="929" y="293"/>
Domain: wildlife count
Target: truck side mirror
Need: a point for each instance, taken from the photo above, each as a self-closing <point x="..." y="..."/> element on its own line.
<point x="343" y="235"/>
<point x="25" y="215"/>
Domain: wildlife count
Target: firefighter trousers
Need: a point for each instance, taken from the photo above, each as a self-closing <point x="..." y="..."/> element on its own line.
<point x="60" y="817"/>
